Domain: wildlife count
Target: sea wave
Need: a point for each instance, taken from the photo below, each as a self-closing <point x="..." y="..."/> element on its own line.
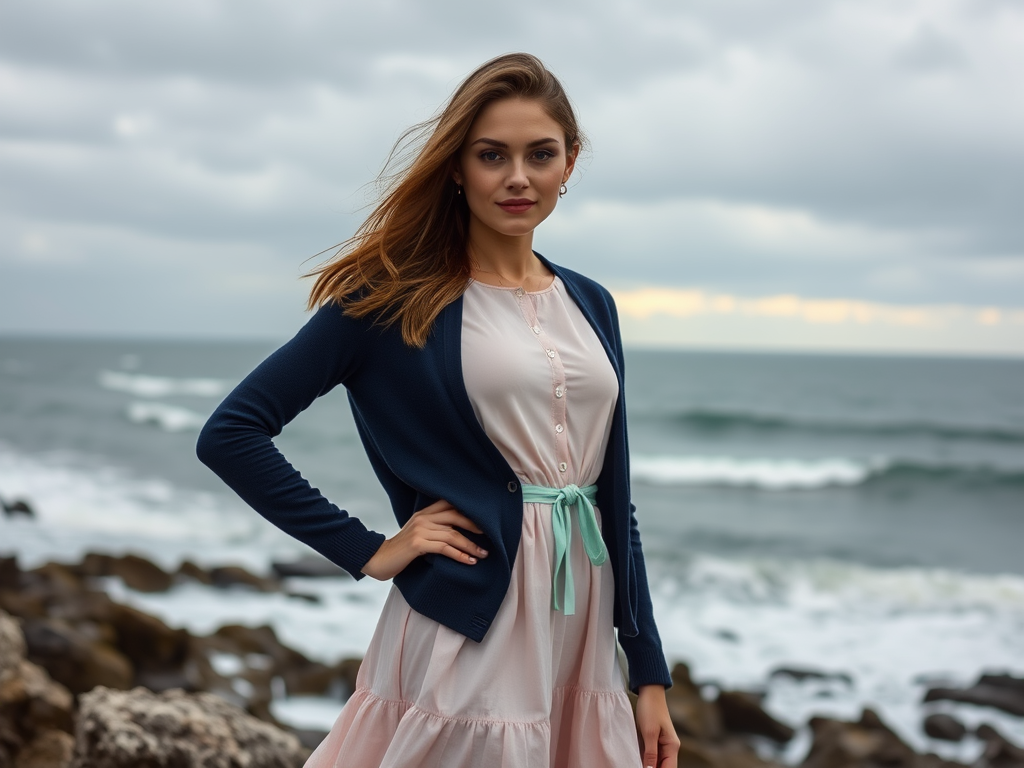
<point x="141" y="385"/>
<point x="796" y="474"/>
<point x="713" y="421"/>
<point x="170" y="418"/>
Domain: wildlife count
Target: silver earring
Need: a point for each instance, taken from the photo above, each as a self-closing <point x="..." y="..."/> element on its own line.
<point x="458" y="189"/>
<point x="564" y="189"/>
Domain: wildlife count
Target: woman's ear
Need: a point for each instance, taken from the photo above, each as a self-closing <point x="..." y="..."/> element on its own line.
<point x="570" y="162"/>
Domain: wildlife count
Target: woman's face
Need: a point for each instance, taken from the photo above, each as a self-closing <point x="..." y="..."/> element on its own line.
<point x="511" y="166"/>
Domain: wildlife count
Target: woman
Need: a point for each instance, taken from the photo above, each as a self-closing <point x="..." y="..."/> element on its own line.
<point x="485" y="382"/>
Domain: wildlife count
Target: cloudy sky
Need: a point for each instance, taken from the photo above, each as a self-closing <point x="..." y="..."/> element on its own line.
<point x="812" y="174"/>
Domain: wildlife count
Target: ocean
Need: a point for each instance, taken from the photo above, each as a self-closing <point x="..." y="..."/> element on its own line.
<point x="855" y="515"/>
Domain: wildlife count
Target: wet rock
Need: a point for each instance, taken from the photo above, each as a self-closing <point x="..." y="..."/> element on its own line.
<point x="999" y="691"/>
<point x="806" y="673"/>
<point x="149" y="643"/>
<point x="10" y="573"/>
<point x="50" y="749"/>
<point x="730" y="753"/>
<point x="867" y="743"/>
<point x="17" y="507"/>
<point x="136" y="572"/>
<point x="32" y="705"/>
<point x="309" y="738"/>
<point x="741" y="712"/>
<point x="311" y="566"/>
<point x="189" y="570"/>
<point x="945" y="727"/>
<point x="174" y="728"/>
<point x="74" y="658"/>
<point x="691" y="714"/>
<point x="347" y="671"/>
<point x="999" y="751"/>
<point x="236" y="576"/>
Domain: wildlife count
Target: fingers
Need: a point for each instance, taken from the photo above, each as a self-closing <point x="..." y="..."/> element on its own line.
<point x="443" y="512"/>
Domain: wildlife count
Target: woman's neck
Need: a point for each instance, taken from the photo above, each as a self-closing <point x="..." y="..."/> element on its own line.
<point x="506" y="261"/>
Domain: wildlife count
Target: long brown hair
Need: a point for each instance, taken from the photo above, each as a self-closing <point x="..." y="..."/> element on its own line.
<point x="408" y="260"/>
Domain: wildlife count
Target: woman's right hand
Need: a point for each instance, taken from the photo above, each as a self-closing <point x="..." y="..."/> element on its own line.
<point x="431" y="529"/>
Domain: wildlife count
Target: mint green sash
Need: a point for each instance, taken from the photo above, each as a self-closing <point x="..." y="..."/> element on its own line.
<point x="561" y="501"/>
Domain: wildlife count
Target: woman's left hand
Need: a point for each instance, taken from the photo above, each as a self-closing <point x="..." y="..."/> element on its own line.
<point x="660" y="743"/>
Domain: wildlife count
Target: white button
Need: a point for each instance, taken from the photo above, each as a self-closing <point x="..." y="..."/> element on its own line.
<point x="558" y="427"/>
<point x="558" y="393"/>
<point x="536" y="329"/>
<point x="519" y="291"/>
<point x="562" y="467"/>
<point x="551" y="353"/>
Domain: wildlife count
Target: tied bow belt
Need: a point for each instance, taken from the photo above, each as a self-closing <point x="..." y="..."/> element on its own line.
<point x="562" y="501"/>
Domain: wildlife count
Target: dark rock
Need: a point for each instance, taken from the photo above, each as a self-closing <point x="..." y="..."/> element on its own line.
<point x="730" y="753"/>
<point x="691" y="714"/>
<point x="10" y="573"/>
<point x="50" y="749"/>
<point x="190" y="570"/>
<point x="75" y="659"/>
<point x="312" y="566"/>
<point x="999" y="751"/>
<point x="309" y="738"/>
<point x="742" y="713"/>
<point x="803" y="673"/>
<point x="236" y="576"/>
<point x="945" y="727"/>
<point x="147" y="641"/>
<point x="140" y="728"/>
<point x="1007" y="682"/>
<point x="868" y="743"/>
<point x="347" y="671"/>
<point x="999" y="696"/>
<point x="17" y="507"/>
<point x="33" y="707"/>
<point x="262" y="640"/>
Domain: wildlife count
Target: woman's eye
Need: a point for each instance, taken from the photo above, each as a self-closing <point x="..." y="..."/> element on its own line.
<point x="544" y="154"/>
<point x="490" y="156"/>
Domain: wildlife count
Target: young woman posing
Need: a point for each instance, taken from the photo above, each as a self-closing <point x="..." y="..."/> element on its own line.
<point x="486" y="385"/>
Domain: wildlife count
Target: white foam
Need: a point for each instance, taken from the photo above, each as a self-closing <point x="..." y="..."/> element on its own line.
<point x="772" y="474"/>
<point x="81" y="505"/>
<point x="170" y="418"/>
<point x="141" y="385"/>
<point x="735" y="621"/>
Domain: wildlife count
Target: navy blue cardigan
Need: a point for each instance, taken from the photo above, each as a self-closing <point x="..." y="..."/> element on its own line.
<point x="424" y="443"/>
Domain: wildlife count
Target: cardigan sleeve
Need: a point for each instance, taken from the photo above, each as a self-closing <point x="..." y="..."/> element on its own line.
<point x="237" y="441"/>
<point x="643" y="651"/>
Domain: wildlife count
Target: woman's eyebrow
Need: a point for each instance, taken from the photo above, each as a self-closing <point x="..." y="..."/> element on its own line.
<point x="503" y="145"/>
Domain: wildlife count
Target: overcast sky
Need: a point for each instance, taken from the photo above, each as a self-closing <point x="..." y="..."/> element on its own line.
<point x="806" y="174"/>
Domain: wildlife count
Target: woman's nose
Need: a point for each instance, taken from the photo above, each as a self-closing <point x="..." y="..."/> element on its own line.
<point x="517" y="176"/>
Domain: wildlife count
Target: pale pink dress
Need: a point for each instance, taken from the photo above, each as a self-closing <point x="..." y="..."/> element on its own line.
<point x="542" y="690"/>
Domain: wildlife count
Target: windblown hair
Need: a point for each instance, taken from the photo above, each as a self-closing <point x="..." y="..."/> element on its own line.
<point x="408" y="260"/>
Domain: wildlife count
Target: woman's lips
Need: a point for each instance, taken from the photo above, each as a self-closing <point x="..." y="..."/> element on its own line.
<point x="519" y="205"/>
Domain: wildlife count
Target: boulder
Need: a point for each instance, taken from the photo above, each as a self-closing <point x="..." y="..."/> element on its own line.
<point x="999" y="751"/>
<point x="136" y="572"/>
<point x="50" y="749"/>
<point x="236" y="576"/>
<point x="806" y="673"/>
<point x="998" y="691"/>
<point x="75" y="658"/>
<point x="175" y="728"/>
<point x="945" y="727"/>
<point x="691" y="714"/>
<point x="311" y="566"/>
<point x="189" y="570"/>
<point x="34" y="709"/>
<point x="865" y="744"/>
<point x="741" y="712"/>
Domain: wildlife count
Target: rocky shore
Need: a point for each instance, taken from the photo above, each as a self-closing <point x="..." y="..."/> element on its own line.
<point x="87" y="681"/>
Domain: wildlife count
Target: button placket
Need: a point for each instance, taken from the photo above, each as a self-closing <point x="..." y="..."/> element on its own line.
<point x="558" y="389"/>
